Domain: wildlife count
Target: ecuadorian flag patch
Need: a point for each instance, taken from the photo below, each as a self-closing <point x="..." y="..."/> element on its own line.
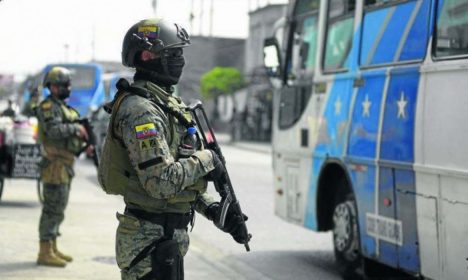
<point x="146" y="130"/>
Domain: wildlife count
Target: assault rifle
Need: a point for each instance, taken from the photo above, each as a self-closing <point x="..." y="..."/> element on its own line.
<point x="223" y="187"/>
<point x="91" y="138"/>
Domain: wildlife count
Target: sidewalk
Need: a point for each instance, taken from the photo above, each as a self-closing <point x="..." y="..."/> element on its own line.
<point x="261" y="147"/>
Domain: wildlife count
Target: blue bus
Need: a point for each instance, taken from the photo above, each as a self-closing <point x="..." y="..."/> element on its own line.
<point x="86" y="83"/>
<point x="109" y="83"/>
<point x="369" y="139"/>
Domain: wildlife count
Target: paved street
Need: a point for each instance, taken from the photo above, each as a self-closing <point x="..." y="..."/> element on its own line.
<point x="279" y="250"/>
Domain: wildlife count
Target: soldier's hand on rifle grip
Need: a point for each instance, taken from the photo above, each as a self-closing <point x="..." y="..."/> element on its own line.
<point x="219" y="171"/>
<point x="234" y="224"/>
<point x="90" y="151"/>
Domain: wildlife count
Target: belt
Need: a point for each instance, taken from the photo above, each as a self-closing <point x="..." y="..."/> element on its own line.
<point x="167" y="220"/>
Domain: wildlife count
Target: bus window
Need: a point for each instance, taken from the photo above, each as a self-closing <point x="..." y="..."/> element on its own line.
<point x="305" y="6"/>
<point x="304" y="46"/>
<point x="339" y="33"/>
<point x="452" y="29"/>
<point x="394" y="32"/>
<point x="82" y="77"/>
<point x="293" y="101"/>
<point x="378" y="2"/>
<point x="304" y="40"/>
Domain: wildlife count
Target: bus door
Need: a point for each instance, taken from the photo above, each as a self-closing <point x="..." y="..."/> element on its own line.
<point x="297" y="114"/>
<point x="394" y="43"/>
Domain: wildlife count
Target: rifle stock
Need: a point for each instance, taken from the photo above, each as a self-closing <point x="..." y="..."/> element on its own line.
<point x="223" y="187"/>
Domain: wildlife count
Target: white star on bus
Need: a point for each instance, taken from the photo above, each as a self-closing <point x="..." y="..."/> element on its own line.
<point x="338" y="106"/>
<point x="366" y="107"/>
<point x="401" y="106"/>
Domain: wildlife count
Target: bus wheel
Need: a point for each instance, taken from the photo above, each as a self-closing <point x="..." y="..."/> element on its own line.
<point x="39" y="191"/>
<point x="346" y="237"/>
<point x="2" y="182"/>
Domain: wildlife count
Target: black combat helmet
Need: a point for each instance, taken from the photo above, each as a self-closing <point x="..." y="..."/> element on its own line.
<point x="57" y="75"/>
<point x="154" y="35"/>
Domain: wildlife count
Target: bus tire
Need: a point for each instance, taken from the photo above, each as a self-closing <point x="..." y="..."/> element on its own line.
<point x="346" y="237"/>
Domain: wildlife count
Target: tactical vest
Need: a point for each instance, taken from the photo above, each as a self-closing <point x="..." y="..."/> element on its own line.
<point x="117" y="175"/>
<point x="69" y="146"/>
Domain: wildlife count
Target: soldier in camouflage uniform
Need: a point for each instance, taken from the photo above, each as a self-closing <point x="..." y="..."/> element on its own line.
<point x="61" y="139"/>
<point x="152" y="158"/>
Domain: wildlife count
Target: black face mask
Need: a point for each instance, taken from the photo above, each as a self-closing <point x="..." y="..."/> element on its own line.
<point x="64" y="92"/>
<point x="164" y="71"/>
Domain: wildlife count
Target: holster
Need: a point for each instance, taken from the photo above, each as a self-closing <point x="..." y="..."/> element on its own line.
<point x="167" y="262"/>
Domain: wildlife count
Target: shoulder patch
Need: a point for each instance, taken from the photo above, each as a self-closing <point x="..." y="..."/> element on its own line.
<point x="46" y="105"/>
<point x="144" y="131"/>
<point x="147" y="144"/>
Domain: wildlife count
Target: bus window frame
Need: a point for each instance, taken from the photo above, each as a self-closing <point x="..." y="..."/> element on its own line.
<point x="296" y="19"/>
<point x="294" y="88"/>
<point x="435" y="58"/>
<point x="372" y="8"/>
<point x="328" y="22"/>
<point x="375" y="7"/>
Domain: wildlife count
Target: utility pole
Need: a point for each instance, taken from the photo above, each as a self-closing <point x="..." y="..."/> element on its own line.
<point x="202" y="3"/>
<point x="192" y="16"/>
<point x="154" y="3"/>
<point x="211" y="18"/>
<point x="93" y="44"/>
<point x="66" y="46"/>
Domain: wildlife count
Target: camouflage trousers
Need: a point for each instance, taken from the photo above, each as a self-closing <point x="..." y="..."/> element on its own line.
<point x="53" y="210"/>
<point x="133" y="235"/>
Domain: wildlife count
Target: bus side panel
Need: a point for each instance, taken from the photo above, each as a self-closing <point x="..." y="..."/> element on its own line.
<point x="310" y="220"/>
<point x="332" y="138"/>
<point x="333" y="124"/>
<point x="362" y="150"/>
<point x="442" y="178"/>
<point x="365" y="118"/>
<point x="398" y="127"/>
<point x="388" y="251"/>
<point x="363" y="178"/>
<point x="397" y="151"/>
<point x="408" y="254"/>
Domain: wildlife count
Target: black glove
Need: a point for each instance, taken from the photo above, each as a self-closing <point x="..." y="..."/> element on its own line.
<point x="233" y="224"/>
<point x="219" y="171"/>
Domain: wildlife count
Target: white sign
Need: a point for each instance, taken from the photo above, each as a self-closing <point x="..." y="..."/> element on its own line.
<point x="26" y="160"/>
<point x="384" y="228"/>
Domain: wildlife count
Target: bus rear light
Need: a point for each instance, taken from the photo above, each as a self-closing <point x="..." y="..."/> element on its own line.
<point x="387" y="202"/>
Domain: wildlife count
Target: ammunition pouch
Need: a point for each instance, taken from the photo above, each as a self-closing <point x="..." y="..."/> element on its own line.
<point x="74" y="145"/>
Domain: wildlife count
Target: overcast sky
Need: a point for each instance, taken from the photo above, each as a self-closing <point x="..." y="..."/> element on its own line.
<point x="36" y="32"/>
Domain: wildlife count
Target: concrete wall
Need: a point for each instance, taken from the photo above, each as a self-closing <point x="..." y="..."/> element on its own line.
<point x="204" y="54"/>
<point x="260" y="27"/>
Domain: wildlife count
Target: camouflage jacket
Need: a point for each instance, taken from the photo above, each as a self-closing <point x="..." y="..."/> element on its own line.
<point x="58" y="136"/>
<point x="157" y="179"/>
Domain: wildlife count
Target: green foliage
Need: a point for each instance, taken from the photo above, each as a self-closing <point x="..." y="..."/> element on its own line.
<point x="221" y="80"/>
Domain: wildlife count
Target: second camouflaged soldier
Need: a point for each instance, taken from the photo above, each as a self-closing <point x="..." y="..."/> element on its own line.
<point x="61" y="139"/>
<point x="153" y="160"/>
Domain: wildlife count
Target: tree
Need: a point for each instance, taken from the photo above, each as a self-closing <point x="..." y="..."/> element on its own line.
<point x="221" y="81"/>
